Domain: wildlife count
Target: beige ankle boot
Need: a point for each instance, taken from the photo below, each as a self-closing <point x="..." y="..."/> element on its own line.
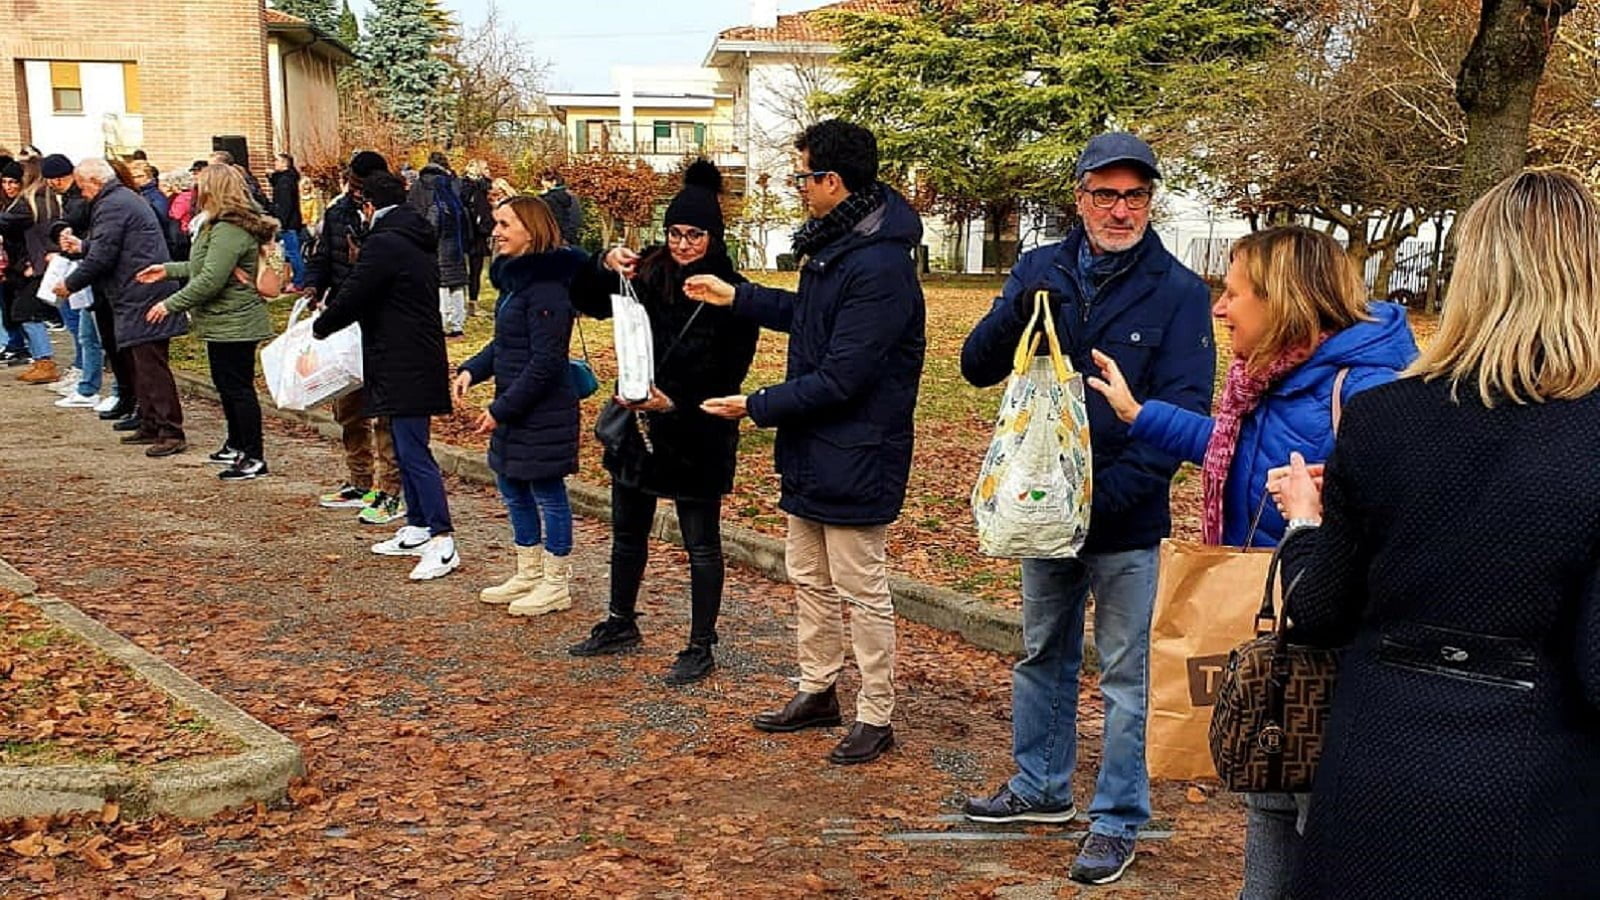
<point x="528" y="575"/>
<point x="551" y="595"/>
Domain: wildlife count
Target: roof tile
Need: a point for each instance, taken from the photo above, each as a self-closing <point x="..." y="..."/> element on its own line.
<point x="807" y="27"/>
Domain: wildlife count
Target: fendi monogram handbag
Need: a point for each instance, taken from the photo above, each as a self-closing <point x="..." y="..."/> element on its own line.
<point x="1272" y="705"/>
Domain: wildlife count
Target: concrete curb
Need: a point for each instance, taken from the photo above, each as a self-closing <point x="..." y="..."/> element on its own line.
<point x="983" y="625"/>
<point x="188" y="790"/>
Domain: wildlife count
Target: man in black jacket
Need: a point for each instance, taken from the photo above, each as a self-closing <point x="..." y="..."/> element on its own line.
<point x="567" y="208"/>
<point x="371" y="485"/>
<point x="285" y="179"/>
<point x="393" y="292"/>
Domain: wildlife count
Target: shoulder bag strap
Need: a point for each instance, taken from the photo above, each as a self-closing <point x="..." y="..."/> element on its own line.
<point x="1338" y="398"/>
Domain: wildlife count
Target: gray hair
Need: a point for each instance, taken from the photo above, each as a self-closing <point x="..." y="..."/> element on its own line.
<point x="96" y="170"/>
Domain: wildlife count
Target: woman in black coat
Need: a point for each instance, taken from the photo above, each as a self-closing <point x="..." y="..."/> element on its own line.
<point x="1456" y="560"/>
<point x="690" y="456"/>
<point x="534" y="416"/>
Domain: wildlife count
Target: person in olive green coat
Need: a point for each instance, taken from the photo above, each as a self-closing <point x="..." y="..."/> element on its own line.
<point x="224" y="308"/>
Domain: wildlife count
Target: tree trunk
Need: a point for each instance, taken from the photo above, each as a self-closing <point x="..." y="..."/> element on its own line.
<point x="1496" y="87"/>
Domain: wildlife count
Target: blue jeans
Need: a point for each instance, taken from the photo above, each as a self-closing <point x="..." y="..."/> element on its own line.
<point x="92" y="357"/>
<point x="420" y="479"/>
<point x="70" y="319"/>
<point x="1044" y="685"/>
<point x="291" y="252"/>
<point x="527" y="502"/>
<point x="38" y="338"/>
<point x="1272" y="840"/>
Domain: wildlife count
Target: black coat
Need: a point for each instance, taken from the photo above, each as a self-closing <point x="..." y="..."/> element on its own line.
<point x="332" y="257"/>
<point x="394" y="293"/>
<point x="856" y="341"/>
<point x="126" y="237"/>
<point x="438" y="199"/>
<point x="1457" y="559"/>
<point x="695" y="454"/>
<point x="480" y="214"/>
<point x="535" y="410"/>
<point x="26" y="231"/>
<point x="286" y="199"/>
<point x="568" y="212"/>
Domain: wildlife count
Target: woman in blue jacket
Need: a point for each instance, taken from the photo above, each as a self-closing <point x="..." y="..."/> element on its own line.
<point x="534" y="415"/>
<point x="1301" y="328"/>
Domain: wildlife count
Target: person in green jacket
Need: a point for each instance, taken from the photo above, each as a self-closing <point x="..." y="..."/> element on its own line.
<point x="224" y="308"/>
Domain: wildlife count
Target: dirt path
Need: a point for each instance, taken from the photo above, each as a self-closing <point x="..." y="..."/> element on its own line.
<point x="452" y="751"/>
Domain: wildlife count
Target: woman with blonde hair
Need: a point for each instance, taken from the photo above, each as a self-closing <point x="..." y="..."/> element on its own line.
<point x="1305" y="340"/>
<point x="1456" y="561"/>
<point x="224" y="308"/>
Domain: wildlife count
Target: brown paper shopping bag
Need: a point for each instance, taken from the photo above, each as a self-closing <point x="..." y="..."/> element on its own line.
<point x="1206" y="602"/>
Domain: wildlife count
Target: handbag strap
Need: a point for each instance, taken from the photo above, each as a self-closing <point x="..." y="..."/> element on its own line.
<point x="1338" y="398"/>
<point x="1271" y="606"/>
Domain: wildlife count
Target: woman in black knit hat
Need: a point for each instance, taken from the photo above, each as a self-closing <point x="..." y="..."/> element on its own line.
<point x="677" y="452"/>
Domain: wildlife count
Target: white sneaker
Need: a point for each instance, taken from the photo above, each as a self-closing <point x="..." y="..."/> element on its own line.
<point x="408" y="541"/>
<point x="67" y="382"/>
<point x="108" y="404"/>
<point x="439" y="558"/>
<point x="78" y="401"/>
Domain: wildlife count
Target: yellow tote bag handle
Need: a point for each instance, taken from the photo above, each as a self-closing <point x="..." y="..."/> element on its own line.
<point x="1028" y="347"/>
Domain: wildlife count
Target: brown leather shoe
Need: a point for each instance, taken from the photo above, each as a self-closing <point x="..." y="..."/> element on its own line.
<point x="803" y="711"/>
<point x="863" y="744"/>
<point x="166" y="447"/>
<point x="138" y="437"/>
<point x="43" y="371"/>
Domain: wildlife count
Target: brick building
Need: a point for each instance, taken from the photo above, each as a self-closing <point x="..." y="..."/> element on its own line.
<point x="91" y="77"/>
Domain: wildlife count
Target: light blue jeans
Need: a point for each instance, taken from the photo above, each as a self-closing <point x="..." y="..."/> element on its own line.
<point x="38" y="338"/>
<point x="1272" y="839"/>
<point x="1044" y="685"/>
<point x="91" y="355"/>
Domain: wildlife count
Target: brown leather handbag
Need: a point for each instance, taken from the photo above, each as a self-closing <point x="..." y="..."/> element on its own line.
<point x="1272" y="705"/>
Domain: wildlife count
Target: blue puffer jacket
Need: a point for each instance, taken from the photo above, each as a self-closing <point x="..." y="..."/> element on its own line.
<point x="856" y="343"/>
<point x="536" y="437"/>
<point x="1154" y="319"/>
<point x="1295" y="415"/>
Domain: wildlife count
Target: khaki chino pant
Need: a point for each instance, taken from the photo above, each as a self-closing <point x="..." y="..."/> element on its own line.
<point x="834" y="564"/>
<point x="368" y="446"/>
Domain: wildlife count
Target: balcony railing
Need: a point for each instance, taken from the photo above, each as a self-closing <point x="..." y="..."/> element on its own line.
<point x="661" y="143"/>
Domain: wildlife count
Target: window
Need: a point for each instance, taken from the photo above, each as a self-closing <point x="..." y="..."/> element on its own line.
<point x="130" y="88"/>
<point x="66" y="88"/>
<point x="679" y="137"/>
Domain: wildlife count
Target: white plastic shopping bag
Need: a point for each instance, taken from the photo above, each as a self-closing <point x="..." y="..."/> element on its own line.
<point x="302" y="371"/>
<point x="55" y="272"/>
<point x="635" y="345"/>
<point x="1032" y="499"/>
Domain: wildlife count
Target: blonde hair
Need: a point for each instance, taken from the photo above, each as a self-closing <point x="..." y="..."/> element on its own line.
<point x="1309" y="284"/>
<point x="220" y="191"/>
<point x="1522" y="313"/>
<point x="504" y="187"/>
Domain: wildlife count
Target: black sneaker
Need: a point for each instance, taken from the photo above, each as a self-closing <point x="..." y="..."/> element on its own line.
<point x="611" y="636"/>
<point x="130" y="423"/>
<point x="1102" y="859"/>
<point x="117" y="413"/>
<point x="243" y="470"/>
<point x="226" y="456"/>
<point x="21" y="359"/>
<point x="1006" y="806"/>
<point x="693" y="663"/>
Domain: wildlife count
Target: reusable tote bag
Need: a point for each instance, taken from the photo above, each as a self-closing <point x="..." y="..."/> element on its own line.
<point x="302" y="371"/>
<point x="1032" y="498"/>
<point x="1207" y="597"/>
<point x="635" y="345"/>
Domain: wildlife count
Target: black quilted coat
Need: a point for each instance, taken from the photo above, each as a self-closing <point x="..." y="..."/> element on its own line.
<point x="695" y="454"/>
<point x="534" y="405"/>
<point x="1457" y="560"/>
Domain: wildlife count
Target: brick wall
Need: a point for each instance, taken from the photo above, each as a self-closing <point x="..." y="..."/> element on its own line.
<point x="202" y="67"/>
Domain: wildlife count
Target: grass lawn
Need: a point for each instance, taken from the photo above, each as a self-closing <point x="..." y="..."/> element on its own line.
<point x="935" y="539"/>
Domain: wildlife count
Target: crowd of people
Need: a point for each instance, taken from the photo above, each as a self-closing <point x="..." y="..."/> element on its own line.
<point x="1411" y="495"/>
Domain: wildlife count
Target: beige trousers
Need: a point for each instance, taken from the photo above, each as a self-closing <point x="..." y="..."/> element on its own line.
<point x="833" y="563"/>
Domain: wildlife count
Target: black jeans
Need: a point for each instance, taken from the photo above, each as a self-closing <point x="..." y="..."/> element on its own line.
<point x="121" y="360"/>
<point x="633" y="512"/>
<point x="474" y="280"/>
<point x="233" y="371"/>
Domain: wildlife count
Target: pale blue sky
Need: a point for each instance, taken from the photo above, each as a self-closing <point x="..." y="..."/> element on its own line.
<point x="583" y="40"/>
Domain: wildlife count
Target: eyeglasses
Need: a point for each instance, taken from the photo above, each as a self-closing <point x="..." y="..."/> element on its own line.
<point x="685" y="235"/>
<point x="800" y="178"/>
<point x="1106" y="198"/>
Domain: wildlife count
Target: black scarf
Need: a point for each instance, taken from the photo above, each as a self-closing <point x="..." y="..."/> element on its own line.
<point x="816" y="234"/>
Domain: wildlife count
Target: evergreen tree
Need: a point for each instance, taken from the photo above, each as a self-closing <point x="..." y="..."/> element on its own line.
<point x="349" y="29"/>
<point x="401" y="67"/>
<point x="318" y="12"/>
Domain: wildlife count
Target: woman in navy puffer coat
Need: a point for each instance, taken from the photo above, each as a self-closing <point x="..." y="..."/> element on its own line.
<point x="1302" y="328"/>
<point x="534" y="416"/>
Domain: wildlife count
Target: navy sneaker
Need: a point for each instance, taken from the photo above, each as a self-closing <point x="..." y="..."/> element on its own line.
<point x="1102" y="859"/>
<point x="1006" y="806"/>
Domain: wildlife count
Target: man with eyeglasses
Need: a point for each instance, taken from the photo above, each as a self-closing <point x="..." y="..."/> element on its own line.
<point x="844" y="419"/>
<point x="1115" y="288"/>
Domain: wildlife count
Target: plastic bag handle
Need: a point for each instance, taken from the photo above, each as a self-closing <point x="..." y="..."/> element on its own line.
<point x="1028" y="347"/>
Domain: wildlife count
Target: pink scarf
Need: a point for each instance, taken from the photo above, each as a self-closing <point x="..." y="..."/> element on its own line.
<point x="1240" y="396"/>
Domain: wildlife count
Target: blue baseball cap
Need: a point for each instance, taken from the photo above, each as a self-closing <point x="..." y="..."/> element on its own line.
<point x="1113" y="148"/>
